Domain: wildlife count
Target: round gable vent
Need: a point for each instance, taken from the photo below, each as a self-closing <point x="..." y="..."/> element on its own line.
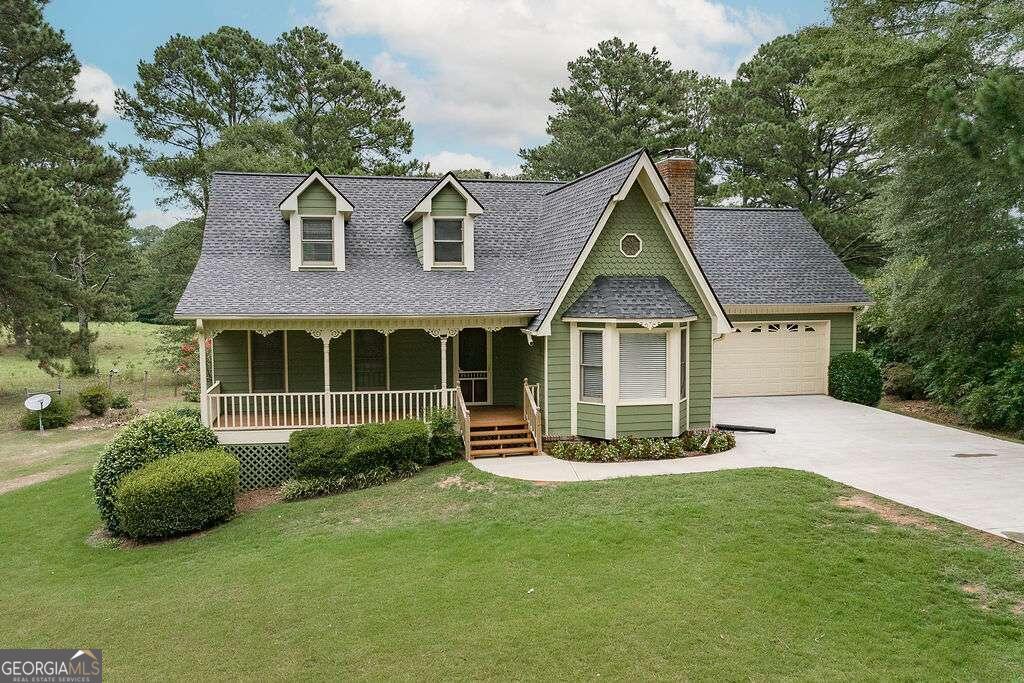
<point x="631" y="245"/>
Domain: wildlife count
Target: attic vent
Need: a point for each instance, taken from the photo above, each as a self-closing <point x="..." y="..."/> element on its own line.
<point x="631" y="245"/>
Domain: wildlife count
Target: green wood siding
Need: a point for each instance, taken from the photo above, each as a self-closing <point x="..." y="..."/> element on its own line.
<point x="448" y="202"/>
<point x="840" y="326"/>
<point x="341" y="361"/>
<point x="317" y="199"/>
<point x="647" y="421"/>
<point x="417" y="238"/>
<point x="532" y="363"/>
<point x="633" y="214"/>
<point x="415" y="360"/>
<point x="506" y="368"/>
<point x="230" y="361"/>
<point x="305" y="362"/>
<point x="590" y="420"/>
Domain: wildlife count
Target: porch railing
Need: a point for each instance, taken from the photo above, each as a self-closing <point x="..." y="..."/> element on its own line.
<point x="318" y="409"/>
<point x="462" y="416"/>
<point x="531" y="412"/>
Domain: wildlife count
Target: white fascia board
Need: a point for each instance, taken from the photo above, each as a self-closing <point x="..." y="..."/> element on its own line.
<point x="291" y="202"/>
<point x="473" y="207"/>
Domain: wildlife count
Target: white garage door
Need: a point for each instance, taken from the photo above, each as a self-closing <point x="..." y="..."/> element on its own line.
<point x="772" y="359"/>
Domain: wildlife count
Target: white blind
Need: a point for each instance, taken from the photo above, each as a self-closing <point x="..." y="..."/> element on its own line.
<point x="591" y="359"/>
<point x="642" y="366"/>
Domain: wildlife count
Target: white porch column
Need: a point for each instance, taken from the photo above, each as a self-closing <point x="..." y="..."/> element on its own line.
<point x="444" y="369"/>
<point x="326" y="336"/>
<point x="204" y="408"/>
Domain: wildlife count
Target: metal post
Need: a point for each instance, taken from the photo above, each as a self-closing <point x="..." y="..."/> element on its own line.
<point x="145" y="384"/>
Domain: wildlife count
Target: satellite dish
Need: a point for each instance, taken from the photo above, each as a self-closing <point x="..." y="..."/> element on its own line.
<point x="37" y="401"/>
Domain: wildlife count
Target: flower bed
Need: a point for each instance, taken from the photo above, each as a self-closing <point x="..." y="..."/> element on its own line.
<point x="688" y="444"/>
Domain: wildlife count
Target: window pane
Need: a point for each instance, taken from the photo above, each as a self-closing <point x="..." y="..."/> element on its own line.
<point x="448" y="252"/>
<point x="316" y="229"/>
<point x="593" y="381"/>
<point x="591" y="348"/>
<point x="317" y="251"/>
<point x="642" y="366"/>
<point x="447" y="230"/>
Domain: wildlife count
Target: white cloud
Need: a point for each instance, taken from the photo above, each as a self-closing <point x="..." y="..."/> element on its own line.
<point x="487" y="68"/>
<point x="93" y="84"/>
<point x="158" y="217"/>
<point x="451" y="161"/>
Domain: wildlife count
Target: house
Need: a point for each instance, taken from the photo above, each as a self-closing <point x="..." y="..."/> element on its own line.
<point x="603" y="306"/>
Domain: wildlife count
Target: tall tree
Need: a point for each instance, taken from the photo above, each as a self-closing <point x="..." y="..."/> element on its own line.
<point x="345" y="120"/>
<point x="192" y="89"/>
<point x="776" y="150"/>
<point x="620" y="98"/>
<point x="934" y="80"/>
<point x="42" y="128"/>
<point x="166" y="264"/>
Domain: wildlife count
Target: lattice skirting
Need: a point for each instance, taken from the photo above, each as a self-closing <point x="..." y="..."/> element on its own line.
<point x="263" y="464"/>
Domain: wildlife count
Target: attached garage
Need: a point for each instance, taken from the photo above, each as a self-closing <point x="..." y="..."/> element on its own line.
<point x="773" y="358"/>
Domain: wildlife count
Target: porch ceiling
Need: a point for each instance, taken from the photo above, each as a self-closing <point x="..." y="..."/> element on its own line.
<point x="436" y="326"/>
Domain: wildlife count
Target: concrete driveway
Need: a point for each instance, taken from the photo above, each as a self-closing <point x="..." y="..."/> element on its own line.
<point x="913" y="462"/>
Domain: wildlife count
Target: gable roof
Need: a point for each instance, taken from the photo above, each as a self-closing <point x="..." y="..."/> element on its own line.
<point x="423" y="206"/>
<point x="527" y="242"/>
<point x="630" y="298"/>
<point x="771" y="257"/>
<point x="291" y="202"/>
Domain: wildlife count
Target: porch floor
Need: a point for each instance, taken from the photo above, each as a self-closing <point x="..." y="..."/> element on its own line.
<point x="479" y="416"/>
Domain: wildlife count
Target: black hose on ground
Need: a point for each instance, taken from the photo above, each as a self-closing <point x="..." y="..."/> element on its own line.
<point x="744" y="428"/>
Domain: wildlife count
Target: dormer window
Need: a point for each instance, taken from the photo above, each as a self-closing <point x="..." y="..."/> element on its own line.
<point x="317" y="241"/>
<point x="442" y="225"/>
<point x="448" y="242"/>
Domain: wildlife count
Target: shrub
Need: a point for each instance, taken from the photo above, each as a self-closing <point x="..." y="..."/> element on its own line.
<point x="59" y="413"/>
<point x="314" y="487"/>
<point x="854" y="377"/>
<point x="998" y="403"/>
<point x="96" y="399"/>
<point x="140" y="442"/>
<point x="334" y="452"/>
<point x="121" y="401"/>
<point x="899" y="379"/>
<point x="177" y="494"/>
<point x="445" y="440"/>
<point x="635" y="448"/>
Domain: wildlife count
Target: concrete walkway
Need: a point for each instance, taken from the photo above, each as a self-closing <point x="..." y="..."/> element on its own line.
<point x="910" y="461"/>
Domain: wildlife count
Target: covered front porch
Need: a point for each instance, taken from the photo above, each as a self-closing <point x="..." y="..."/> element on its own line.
<point x="262" y="379"/>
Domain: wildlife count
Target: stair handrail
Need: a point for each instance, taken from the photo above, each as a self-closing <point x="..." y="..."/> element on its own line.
<point x="532" y="414"/>
<point x="462" y="413"/>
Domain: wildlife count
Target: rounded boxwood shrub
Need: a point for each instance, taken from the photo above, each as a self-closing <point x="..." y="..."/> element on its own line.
<point x="347" y="451"/>
<point x="445" y="440"/>
<point x="899" y="379"/>
<point x="854" y="377"/>
<point x="140" y="442"/>
<point x="177" y="494"/>
<point x="96" y="399"/>
<point x="121" y="401"/>
<point x="59" y="413"/>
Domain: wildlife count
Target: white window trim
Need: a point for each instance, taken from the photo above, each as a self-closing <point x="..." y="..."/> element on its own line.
<point x="318" y="264"/>
<point x="590" y="399"/>
<point x="461" y="263"/>
<point x="338" y="229"/>
<point x="468" y="261"/>
<point x="639" y="239"/>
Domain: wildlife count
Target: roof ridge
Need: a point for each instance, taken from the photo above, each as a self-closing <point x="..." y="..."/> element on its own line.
<point x="386" y="177"/>
<point x="746" y="208"/>
<point x="634" y="153"/>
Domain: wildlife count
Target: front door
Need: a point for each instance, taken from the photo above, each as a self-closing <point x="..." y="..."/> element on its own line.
<point x="475" y="366"/>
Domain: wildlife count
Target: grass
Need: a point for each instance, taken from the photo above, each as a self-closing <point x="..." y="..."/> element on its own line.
<point x="128" y="347"/>
<point x="753" y="574"/>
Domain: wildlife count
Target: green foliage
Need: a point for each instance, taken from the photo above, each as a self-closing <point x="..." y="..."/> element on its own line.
<point x="445" y="440"/>
<point x="334" y="452"/>
<point x="854" y="377"/>
<point x="141" y="441"/>
<point x="619" y="99"/>
<point x="121" y="401"/>
<point x="999" y="402"/>
<point x="315" y="487"/>
<point x="776" y="150"/>
<point x="177" y="495"/>
<point x="628" y="448"/>
<point x="166" y="260"/>
<point x="96" y="399"/>
<point x="59" y="413"/>
<point x="899" y="379"/>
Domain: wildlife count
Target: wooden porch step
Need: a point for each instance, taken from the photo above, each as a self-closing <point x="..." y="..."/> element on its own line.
<point x="519" y="440"/>
<point x="505" y="427"/>
<point x="491" y="452"/>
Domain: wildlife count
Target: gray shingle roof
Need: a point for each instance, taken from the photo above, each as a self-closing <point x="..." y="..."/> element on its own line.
<point x="770" y="257"/>
<point x="526" y="243"/>
<point x="632" y="298"/>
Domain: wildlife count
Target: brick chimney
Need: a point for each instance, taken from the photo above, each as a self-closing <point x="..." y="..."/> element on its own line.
<point x="679" y="174"/>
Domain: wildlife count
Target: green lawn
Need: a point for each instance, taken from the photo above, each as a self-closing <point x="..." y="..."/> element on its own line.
<point x="128" y="347"/>
<point x="751" y="574"/>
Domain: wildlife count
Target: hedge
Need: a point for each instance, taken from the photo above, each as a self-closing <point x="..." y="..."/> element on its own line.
<point x="854" y="377"/>
<point x="59" y="413"/>
<point x="140" y="442"/>
<point x="334" y="452"/>
<point x="177" y="495"/>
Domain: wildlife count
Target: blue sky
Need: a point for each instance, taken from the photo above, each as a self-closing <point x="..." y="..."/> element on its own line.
<point x="476" y="74"/>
